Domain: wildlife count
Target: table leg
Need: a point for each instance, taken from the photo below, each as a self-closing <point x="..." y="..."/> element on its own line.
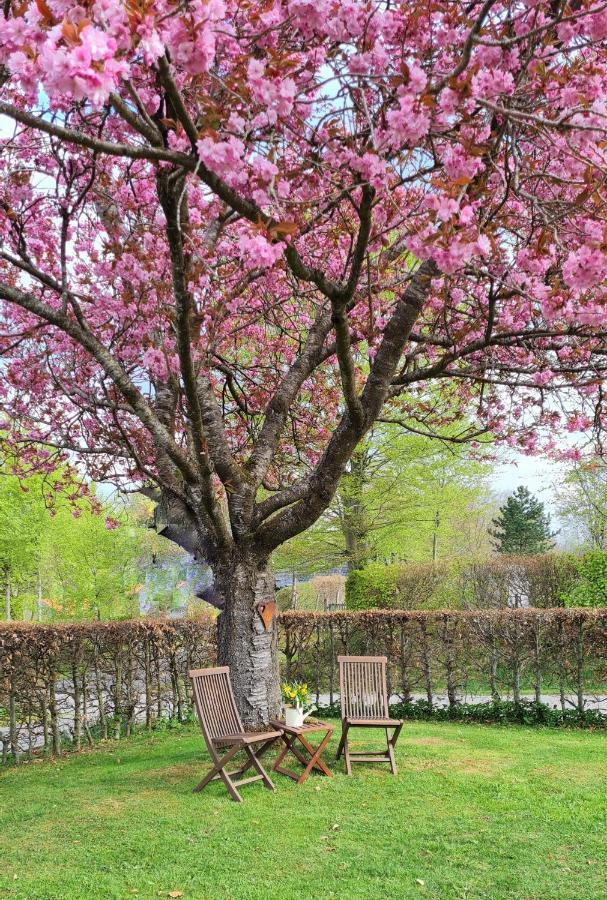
<point x="309" y="762"/>
<point x="315" y="760"/>
<point x="288" y="740"/>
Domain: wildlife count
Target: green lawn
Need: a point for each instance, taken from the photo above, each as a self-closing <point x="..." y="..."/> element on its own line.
<point x="474" y="812"/>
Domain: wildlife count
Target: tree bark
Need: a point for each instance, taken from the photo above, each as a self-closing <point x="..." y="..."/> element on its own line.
<point x="243" y="643"/>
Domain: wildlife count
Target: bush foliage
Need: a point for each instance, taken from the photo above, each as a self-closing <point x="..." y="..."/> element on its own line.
<point x="493" y="712"/>
<point x="590" y="586"/>
<point x="503" y="581"/>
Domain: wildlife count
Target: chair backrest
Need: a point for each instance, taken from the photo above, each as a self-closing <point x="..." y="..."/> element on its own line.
<point x="215" y="703"/>
<point x="362" y="687"/>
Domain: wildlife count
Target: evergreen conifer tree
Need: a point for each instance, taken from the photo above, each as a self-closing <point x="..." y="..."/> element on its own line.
<point x="523" y="526"/>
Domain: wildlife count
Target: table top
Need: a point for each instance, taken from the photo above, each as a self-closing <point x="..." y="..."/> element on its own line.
<point x="314" y="725"/>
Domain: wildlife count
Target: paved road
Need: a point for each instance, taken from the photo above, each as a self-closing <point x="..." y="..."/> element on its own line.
<point x="591" y="701"/>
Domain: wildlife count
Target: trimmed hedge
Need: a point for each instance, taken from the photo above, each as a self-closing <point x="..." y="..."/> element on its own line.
<point x="447" y="655"/>
<point x="75" y="683"/>
<point x="502" y="581"/>
<point x="69" y="685"/>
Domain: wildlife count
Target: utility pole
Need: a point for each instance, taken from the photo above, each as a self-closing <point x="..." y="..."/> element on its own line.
<point x="39" y="596"/>
<point x="435" y="536"/>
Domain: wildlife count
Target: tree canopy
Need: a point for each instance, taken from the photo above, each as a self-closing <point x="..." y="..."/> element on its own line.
<point x="403" y="496"/>
<point x="582" y="502"/>
<point x="227" y="228"/>
<point x="235" y="234"/>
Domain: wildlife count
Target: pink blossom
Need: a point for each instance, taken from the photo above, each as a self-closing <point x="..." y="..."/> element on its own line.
<point x="409" y="123"/>
<point x="490" y="83"/>
<point x="257" y="251"/>
<point x="155" y="362"/>
<point x="220" y="156"/>
<point x="417" y="79"/>
<point x="459" y="164"/>
<point x="578" y="422"/>
<point x="275" y="95"/>
<point x="595" y="26"/>
<point x="483" y="245"/>
<point x="585" y="268"/>
<point x="466" y="215"/>
<point x="151" y="42"/>
<point x="264" y="168"/>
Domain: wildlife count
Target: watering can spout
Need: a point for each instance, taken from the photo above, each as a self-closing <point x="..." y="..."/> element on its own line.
<point x="309" y="712"/>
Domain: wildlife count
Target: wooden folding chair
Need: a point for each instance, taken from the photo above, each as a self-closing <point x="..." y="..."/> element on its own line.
<point x="364" y="704"/>
<point x="221" y="727"/>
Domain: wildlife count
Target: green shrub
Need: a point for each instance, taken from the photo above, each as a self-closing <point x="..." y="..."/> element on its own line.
<point x="590" y="588"/>
<point x="494" y="583"/>
<point x="493" y="712"/>
<point x="373" y="587"/>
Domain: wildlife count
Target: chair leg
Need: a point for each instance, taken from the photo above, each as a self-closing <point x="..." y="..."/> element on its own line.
<point x="257" y="755"/>
<point x="231" y="788"/>
<point x="342" y="740"/>
<point x="218" y="771"/>
<point x="390" y="752"/>
<point x="253" y="761"/>
<point x="396" y="733"/>
<point x="347" y="751"/>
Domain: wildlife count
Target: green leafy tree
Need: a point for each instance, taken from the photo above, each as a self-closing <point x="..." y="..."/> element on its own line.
<point x="60" y="559"/>
<point x="23" y="517"/>
<point x="403" y="496"/>
<point x="582" y="502"/>
<point x="91" y="571"/>
<point x="590" y="587"/>
<point x="523" y="526"/>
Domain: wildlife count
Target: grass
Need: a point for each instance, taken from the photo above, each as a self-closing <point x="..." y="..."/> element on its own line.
<point x="475" y="812"/>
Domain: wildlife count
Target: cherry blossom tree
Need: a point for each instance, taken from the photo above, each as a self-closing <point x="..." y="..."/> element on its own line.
<point x="235" y="233"/>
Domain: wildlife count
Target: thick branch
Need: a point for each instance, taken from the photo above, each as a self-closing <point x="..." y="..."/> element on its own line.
<point x="173" y="200"/>
<point x="323" y="482"/>
<point x="92" y="143"/>
<point x="278" y="408"/>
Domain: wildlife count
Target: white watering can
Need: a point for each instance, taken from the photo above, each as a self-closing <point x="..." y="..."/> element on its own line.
<point x="295" y="716"/>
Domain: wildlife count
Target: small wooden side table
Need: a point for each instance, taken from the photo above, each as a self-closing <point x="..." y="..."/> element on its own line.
<point x="309" y="757"/>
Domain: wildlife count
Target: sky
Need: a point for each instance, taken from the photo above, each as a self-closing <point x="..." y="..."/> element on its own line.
<point x="540" y="475"/>
<point x="534" y="472"/>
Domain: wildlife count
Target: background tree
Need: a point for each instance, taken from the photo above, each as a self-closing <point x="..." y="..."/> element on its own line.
<point x="62" y="558"/>
<point x="582" y="502"/>
<point x="402" y="496"/>
<point x="523" y="526"/>
<point x="233" y="236"/>
<point x="23" y="518"/>
<point x="90" y="570"/>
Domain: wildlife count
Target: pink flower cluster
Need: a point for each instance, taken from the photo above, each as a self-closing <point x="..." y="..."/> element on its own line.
<point x="585" y="268"/>
<point x="88" y="70"/>
<point x="192" y="41"/>
<point x="258" y="252"/>
<point x="488" y="84"/>
<point x="222" y="157"/>
<point x="274" y="95"/>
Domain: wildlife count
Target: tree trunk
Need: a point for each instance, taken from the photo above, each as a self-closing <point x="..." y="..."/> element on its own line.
<point x="243" y="642"/>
